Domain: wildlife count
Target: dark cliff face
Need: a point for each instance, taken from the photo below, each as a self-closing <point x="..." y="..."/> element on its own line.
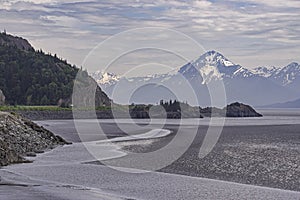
<point x="2" y="98"/>
<point x="86" y="93"/>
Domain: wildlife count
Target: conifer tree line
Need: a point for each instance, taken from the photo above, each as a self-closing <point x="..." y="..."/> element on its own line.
<point x="32" y="77"/>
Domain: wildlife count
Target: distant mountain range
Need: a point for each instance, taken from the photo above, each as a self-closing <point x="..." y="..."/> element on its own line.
<point x="31" y="77"/>
<point x="260" y="86"/>
<point x="289" y="104"/>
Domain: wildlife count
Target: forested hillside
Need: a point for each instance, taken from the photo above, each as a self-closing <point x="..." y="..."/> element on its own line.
<point x="30" y="77"/>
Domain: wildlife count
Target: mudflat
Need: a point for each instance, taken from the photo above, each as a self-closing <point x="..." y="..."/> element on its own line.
<point x="264" y="155"/>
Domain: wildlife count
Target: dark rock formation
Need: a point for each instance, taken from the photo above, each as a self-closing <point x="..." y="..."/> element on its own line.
<point x="233" y="110"/>
<point x="241" y="110"/>
<point x="20" y="137"/>
<point x="2" y="98"/>
<point x="20" y="43"/>
<point x="212" y="112"/>
<point x="87" y="93"/>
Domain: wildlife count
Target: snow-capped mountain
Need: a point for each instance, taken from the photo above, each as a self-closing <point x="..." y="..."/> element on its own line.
<point x="214" y="66"/>
<point x="282" y="75"/>
<point x="265" y="71"/>
<point x="288" y="76"/>
<point x="260" y="86"/>
<point x="105" y="78"/>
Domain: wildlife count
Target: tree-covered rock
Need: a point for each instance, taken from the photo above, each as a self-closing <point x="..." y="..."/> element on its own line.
<point x="241" y="110"/>
<point x="18" y="42"/>
<point x="30" y="77"/>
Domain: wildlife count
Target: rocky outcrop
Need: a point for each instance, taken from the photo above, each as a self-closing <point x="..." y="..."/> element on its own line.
<point x="20" y="43"/>
<point x="2" y="98"/>
<point x="232" y="110"/>
<point x="241" y="110"/>
<point x="20" y="137"/>
<point x="87" y="93"/>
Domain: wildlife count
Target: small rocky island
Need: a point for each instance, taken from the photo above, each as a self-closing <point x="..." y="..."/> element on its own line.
<point x="232" y="110"/>
<point x="176" y="110"/>
<point x="21" y="137"/>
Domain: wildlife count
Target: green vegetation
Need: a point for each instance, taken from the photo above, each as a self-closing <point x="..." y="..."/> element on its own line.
<point x="34" y="78"/>
<point x="29" y="77"/>
<point x="32" y="108"/>
<point x="46" y="108"/>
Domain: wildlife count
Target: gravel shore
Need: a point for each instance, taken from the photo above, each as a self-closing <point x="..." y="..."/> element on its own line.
<point x="21" y="137"/>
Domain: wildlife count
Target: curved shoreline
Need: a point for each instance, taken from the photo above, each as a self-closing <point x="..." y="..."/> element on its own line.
<point x="68" y="179"/>
<point x="271" y="149"/>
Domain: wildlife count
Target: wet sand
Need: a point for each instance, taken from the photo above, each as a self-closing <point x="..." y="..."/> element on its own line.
<point x="264" y="155"/>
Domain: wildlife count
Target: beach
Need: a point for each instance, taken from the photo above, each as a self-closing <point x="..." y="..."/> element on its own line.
<point x="256" y="161"/>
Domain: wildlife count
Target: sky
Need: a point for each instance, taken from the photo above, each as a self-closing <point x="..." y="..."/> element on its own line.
<point x="251" y="33"/>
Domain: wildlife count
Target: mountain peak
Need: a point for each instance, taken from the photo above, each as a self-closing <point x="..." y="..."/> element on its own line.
<point x="212" y="65"/>
<point x="212" y="55"/>
<point x="213" y="58"/>
<point x="213" y="52"/>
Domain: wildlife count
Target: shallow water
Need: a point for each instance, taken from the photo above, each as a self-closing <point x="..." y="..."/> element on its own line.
<point x="63" y="173"/>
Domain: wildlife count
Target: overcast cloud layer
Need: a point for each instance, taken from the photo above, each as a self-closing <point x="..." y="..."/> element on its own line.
<point x="251" y="32"/>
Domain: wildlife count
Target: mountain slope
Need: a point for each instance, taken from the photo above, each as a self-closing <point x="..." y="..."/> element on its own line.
<point x="288" y="76"/>
<point x="29" y="77"/>
<point x="104" y="78"/>
<point x="196" y="78"/>
<point x="240" y="83"/>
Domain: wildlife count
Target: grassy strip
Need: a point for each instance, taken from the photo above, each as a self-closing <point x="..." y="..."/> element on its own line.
<point x="32" y="108"/>
<point x="45" y="108"/>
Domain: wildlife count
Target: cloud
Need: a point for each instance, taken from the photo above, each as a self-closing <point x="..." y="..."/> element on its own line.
<point x="248" y="27"/>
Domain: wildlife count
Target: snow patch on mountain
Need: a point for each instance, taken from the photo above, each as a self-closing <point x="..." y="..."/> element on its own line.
<point x="212" y="58"/>
<point x="210" y="73"/>
<point x="282" y="75"/>
<point x="105" y="78"/>
<point x="287" y="74"/>
<point x="214" y="66"/>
